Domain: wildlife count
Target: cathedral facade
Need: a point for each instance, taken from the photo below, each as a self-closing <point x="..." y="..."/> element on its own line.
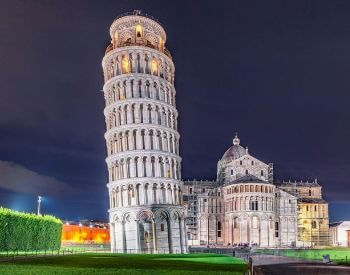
<point x="244" y="206"/>
<point x="146" y="211"/>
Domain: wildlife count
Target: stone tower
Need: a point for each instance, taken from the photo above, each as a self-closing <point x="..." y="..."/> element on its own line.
<point x="144" y="166"/>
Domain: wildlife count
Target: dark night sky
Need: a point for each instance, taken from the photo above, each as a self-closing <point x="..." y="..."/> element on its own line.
<point x="275" y="71"/>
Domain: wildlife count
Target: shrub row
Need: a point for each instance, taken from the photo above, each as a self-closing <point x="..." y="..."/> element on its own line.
<point x="24" y="231"/>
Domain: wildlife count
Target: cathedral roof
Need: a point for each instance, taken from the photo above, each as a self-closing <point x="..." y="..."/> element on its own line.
<point x="235" y="151"/>
<point x="298" y="184"/>
<point x="312" y="200"/>
<point x="248" y="179"/>
<point x="204" y="183"/>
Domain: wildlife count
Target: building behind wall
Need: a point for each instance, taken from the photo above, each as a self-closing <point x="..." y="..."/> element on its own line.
<point x="340" y="233"/>
<point x="85" y="232"/>
<point x="312" y="213"/>
<point x="205" y="212"/>
<point x="245" y="206"/>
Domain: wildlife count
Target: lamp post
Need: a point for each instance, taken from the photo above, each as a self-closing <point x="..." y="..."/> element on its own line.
<point x="39" y="203"/>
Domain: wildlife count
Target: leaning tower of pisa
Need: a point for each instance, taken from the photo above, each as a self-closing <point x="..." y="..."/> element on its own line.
<point x="146" y="213"/>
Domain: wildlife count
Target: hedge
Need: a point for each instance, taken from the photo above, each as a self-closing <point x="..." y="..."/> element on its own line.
<point x="24" y="231"/>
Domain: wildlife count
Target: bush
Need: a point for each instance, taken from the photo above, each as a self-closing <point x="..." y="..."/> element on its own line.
<point x="24" y="231"/>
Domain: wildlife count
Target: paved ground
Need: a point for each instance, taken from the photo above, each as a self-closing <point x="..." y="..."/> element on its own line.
<point x="278" y="265"/>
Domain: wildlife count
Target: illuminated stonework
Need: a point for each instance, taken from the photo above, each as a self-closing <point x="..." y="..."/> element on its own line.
<point x="84" y="234"/>
<point x="144" y="166"/>
<point x="246" y="206"/>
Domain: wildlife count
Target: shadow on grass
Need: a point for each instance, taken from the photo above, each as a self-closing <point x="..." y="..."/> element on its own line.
<point x="187" y="262"/>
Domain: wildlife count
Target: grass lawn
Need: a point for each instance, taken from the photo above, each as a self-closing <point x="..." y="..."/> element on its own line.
<point x="336" y="254"/>
<point x="106" y="263"/>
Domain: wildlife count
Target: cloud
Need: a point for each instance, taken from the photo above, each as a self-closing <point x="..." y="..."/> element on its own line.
<point x="17" y="178"/>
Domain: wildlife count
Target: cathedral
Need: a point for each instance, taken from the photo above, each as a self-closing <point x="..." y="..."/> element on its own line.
<point x="245" y="206"/>
<point x="151" y="210"/>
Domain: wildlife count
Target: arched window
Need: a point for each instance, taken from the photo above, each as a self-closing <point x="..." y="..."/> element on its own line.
<point x="163" y="194"/>
<point x="310" y="192"/>
<point x="161" y="164"/>
<point x="276" y="229"/>
<point x="219" y="229"/>
<point x="154" y="67"/>
<point x="313" y="224"/>
<point x="148" y="92"/>
<point x="240" y="162"/>
<point x="153" y="169"/>
<point x="135" y="167"/>
<point x="154" y="194"/>
<point x="138" y="63"/>
<point x="254" y="205"/>
<point x="146" y="194"/>
<point x="262" y="173"/>
<point x="129" y="196"/>
<point x="235" y="223"/>
<point x="125" y="65"/>
<point x="246" y="172"/>
<point x="151" y="139"/>
<point x="138" y="30"/>
<point x="231" y="172"/>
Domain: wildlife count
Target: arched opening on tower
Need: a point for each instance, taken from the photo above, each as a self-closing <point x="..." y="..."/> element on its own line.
<point x="154" y="67"/>
<point x="138" y="30"/>
<point x="125" y="65"/>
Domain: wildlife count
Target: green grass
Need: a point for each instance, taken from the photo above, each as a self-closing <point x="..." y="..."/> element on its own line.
<point x="106" y="263"/>
<point x="336" y="254"/>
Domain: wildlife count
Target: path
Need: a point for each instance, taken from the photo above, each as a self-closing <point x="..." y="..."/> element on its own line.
<point x="277" y="265"/>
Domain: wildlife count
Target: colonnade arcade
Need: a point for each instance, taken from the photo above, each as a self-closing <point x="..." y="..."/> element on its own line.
<point x="141" y="112"/>
<point x="137" y="86"/>
<point x="143" y="165"/>
<point x="142" y="139"/>
<point x="136" y="194"/>
<point x="250" y="203"/>
<point x="148" y="231"/>
<point x="250" y="229"/>
<point x="237" y="228"/>
<point x="136" y="60"/>
<point x="250" y="197"/>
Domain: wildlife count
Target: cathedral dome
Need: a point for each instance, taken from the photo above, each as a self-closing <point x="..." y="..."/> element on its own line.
<point x="235" y="151"/>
